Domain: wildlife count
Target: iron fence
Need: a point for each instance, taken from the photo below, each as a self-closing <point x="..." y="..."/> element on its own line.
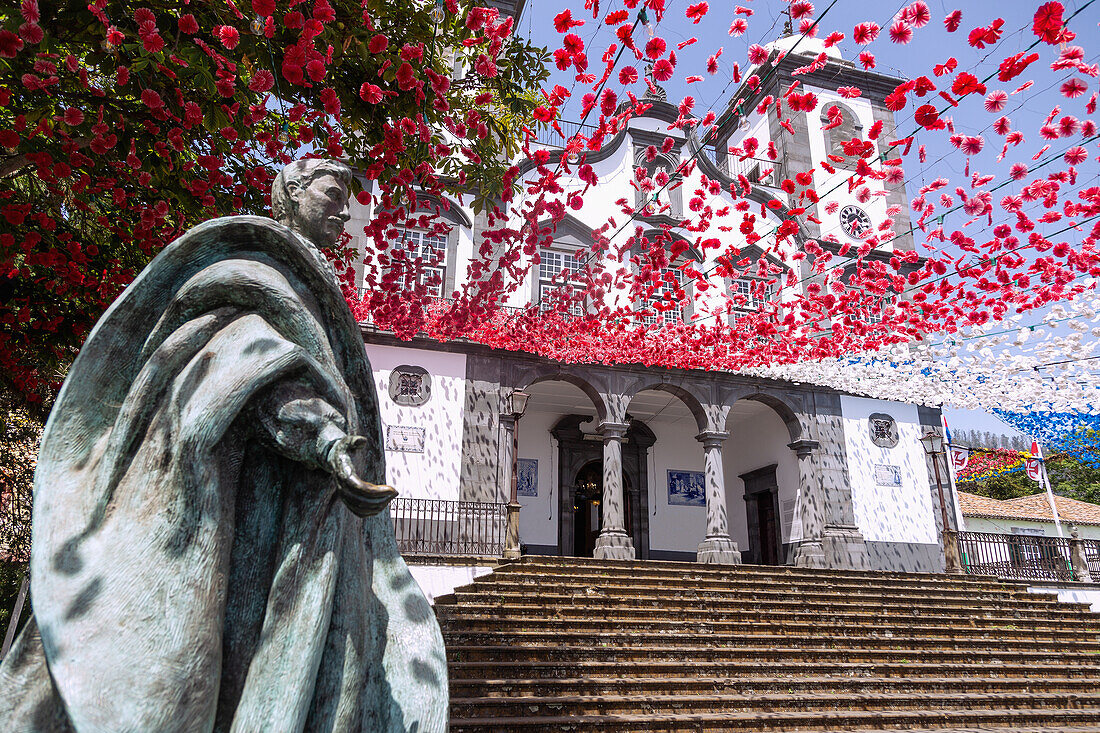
<point x="442" y="527"/>
<point x="1092" y="558"/>
<point x="1025" y="557"/>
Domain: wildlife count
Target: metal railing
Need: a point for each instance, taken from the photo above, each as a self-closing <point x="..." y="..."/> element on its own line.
<point x="1025" y="557"/>
<point x="1092" y="557"/>
<point x="442" y="527"/>
<point x="569" y="128"/>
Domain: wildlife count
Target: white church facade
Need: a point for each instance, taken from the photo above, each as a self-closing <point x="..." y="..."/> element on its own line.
<point x="626" y="461"/>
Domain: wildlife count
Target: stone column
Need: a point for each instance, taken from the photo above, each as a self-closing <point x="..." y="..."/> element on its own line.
<point x="613" y="543"/>
<point x="508" y="461"/>
<point x="718" y="547"/>
<point x="811" y="507"/>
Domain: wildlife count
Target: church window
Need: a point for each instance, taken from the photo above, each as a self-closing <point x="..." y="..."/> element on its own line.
<point x="664" y="306"/>
<point x="557" y="269"/>
<point x="424" y="259"/>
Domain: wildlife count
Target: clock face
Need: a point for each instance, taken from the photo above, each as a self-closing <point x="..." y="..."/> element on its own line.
<point x="854" y="221"/>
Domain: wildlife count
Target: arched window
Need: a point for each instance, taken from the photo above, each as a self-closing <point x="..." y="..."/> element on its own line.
<point x="835" y="138"/>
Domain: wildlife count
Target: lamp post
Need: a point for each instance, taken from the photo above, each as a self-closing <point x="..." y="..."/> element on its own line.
<point x="933" y="447"/>
<point x="518" y="403"/>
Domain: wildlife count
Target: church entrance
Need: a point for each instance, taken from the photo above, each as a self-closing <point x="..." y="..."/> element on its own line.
<point x="580" y="477"/>
<point x="762" y="513"/>
<point x="588" y="508"/>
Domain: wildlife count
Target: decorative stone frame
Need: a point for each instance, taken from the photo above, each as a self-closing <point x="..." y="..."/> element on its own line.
<point x="675" y="195"/>
<point x="883" y="430"/>
<point x="399" y="388"/>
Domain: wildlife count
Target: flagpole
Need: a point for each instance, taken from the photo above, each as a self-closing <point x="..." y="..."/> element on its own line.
<point x="959" y="521"/>
<point x="1046" y="484"/>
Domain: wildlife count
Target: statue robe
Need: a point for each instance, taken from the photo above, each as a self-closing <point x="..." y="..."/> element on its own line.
<point x="192" y="568"/>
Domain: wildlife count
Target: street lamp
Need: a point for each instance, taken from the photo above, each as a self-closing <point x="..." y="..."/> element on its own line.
<point x="518" y="403"/>
<point x="933" y="447"/>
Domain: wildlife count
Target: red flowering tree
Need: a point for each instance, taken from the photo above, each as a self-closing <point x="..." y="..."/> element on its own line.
<point x="122" y="124"/>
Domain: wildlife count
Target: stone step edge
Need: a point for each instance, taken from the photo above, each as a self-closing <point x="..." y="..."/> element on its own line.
<point x="870" y="715"/>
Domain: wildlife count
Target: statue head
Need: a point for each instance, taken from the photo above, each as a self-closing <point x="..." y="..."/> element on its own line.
<point x="311" y="197"/>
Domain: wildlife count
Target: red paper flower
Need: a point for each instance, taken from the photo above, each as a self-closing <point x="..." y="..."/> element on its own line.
<point x="573" y="44"/>
<point x="801" y="9"/>
<point x="918" y="14"/>
<point x="10" y="44"/>
<point x="697" y="12"/>
<point x="1076" y="155"/>
<point x="263" y="8"/>
<point x="1074" y="88"/>
<point x="900" y="32"/>
<point x="1047" y="23"/>
<point x="952" y="21"/>
<point x="865" y="33"/>
<point x="378" y="43"/>
<point x="662" y="70"/>
<point x="188" y="24"/>
<point x="738" y="27"/>
<point x="262" y="81"/>
<point x="926" y="115"/>
<point x="996" y="101"/>
<point x="757" y="54"/>
<point x="563" y="21"/>
<point x="853" y="92"/>
<point x="628" y="75"/>
<point x="371" y="93"/>
<point x="229" y="36"/>
<point x="655" y="47"/>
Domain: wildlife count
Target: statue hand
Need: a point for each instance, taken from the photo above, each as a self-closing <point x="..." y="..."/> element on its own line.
<point x="362" y="497"/>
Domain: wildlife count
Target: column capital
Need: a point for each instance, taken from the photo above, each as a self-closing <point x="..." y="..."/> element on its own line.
<point x="803" y="448"/>
<point x="712" y="438"/>
<point x="507" y="419"/>
<point x="611" y="430"/>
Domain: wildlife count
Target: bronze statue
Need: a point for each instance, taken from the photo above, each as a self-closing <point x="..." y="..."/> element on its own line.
<point x="212" y="546"/>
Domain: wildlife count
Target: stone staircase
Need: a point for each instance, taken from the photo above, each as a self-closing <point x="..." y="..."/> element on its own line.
<point x="571" y="644"/>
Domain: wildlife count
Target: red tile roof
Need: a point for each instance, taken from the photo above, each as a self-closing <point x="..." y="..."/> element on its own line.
<point x="1034" y="508"/>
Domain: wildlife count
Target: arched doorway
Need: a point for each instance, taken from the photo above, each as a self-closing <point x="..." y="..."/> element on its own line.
<point x="580" y="463"/>
<point x="588" y="507"/>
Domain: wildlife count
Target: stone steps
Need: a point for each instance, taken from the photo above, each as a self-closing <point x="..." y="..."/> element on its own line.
<point x="770" y="703"/>
<point x="866" y="721"/>
<point x="576" y="645"/>
<point x="752" y="627"/>
<point x="501" y="671"/>
<point x="626" y="586"/>
<point x="739" y="642"/>
<point x="761" y="654"/>
<point x="599" y="602"/>
<point x="752" y="576"/>
<point x="746" y="684"/>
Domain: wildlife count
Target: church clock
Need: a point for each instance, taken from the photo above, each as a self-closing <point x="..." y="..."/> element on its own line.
<point x="854" y="221"/>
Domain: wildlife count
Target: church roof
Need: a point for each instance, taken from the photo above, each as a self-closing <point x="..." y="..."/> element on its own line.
<point x="1033" y="508"/>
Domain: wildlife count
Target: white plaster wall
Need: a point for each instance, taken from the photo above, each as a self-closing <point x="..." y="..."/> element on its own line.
<point x="439" y="580"/>
<point x="673" y="527"/>
<point x="538" y="516"/>
<point x="886" y="513"/>
<point x="1005" y="526"/>
<point x="433" y="474"/>
<point x="758" y="440"/>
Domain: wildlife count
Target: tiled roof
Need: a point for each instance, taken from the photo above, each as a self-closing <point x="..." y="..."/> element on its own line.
<point x="1034" y="508"/>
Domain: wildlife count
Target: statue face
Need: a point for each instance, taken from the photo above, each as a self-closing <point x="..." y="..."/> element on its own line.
<point x="322" y="209"/>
